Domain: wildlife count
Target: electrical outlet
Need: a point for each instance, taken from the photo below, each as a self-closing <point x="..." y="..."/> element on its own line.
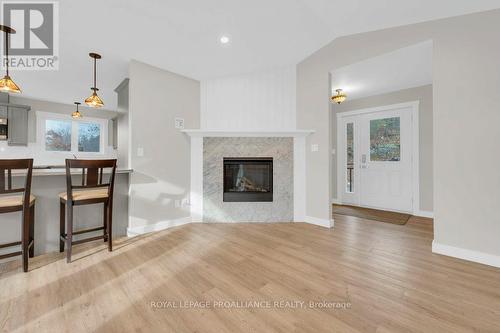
<point x="177" y="203"/>
<point x="140" y="152"/>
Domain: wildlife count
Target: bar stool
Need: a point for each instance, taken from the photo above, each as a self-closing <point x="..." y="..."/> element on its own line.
<point x="25" y="202"/>
<point x="91" y="191"/>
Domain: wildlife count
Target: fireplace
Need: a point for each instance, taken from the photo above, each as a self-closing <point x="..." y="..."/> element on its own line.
<point x="248" y="179"/>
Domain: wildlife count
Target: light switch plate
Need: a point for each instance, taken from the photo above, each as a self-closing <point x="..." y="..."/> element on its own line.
<point x="315" y="147"/>
<point x="179" y="123"/>
<point x="140" y="152"/>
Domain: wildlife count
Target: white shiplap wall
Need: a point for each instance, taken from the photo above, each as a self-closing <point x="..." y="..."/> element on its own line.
<point x="258" y="101"/>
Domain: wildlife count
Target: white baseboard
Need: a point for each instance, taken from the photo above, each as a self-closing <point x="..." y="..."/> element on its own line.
<point x="136" y="231"/>
<point x="336" y="201"/>
<point x="470" y="255"/>
<point x="425" y="213"/>
<point x="319" y="222"/>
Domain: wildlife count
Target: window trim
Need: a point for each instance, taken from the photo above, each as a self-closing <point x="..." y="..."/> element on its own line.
<point x="42" y="117"/>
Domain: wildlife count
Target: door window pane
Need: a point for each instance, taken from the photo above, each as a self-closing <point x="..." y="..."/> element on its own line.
<point x="385" y="142"/>
<point x="350" y="157"/>
<point x="89" y="137"/>
<point x="58" y="135"/>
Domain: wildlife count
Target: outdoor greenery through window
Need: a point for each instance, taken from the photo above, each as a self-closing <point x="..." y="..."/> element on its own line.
<point x="72" y="136"/>
<point x="350" y="157"/>
<point x="385" y="139"/>
<point x="58" y="135"/>
<point x="89" y="137"/>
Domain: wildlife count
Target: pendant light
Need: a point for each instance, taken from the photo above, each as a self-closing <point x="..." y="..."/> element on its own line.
<point x="77" y="113"/>
<point x="340" y="97"/>
<point x="6" y="84"/>
<point x="94" y="100"/>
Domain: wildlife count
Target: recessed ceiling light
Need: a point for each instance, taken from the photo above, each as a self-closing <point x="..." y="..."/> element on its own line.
<point x="224" y="39"/>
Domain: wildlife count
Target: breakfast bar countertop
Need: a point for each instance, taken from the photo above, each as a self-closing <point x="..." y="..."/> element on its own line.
<point x="57" y="170"/>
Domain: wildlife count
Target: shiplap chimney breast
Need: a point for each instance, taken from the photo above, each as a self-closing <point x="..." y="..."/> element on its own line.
<point x="253" y="102"/>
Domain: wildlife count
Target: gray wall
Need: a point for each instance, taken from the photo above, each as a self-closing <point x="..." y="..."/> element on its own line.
<point x="214" y="151"/>
<point x="162" y="175"/>
<point x="466" y="59"/>
<point x="422" y="94"/>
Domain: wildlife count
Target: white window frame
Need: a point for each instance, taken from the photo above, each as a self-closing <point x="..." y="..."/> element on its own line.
<point x="42" y="117"/>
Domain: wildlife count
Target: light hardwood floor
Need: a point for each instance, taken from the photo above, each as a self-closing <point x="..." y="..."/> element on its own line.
<point x="386" y="273"/>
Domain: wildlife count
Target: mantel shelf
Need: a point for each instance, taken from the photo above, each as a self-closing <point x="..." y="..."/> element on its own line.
<point x="232" y="134"/>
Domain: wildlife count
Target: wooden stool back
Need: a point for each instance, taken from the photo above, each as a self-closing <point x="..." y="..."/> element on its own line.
<point x="6" y="187"/>
<point x="92" y="175"/>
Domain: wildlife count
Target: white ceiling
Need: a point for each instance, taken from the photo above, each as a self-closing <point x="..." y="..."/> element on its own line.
<point x="182" y="36"/>
<point x="402" y="69"/>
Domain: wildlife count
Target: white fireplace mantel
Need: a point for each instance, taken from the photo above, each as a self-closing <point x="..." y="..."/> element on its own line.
<point x="199" y="133"/>
<point x="299" y="169"/>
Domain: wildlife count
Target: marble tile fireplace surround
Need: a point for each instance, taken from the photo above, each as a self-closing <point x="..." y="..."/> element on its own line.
<point x="247" y="176"/>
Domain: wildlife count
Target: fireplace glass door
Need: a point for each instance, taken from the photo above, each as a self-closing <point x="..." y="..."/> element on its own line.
<point x="248" y="179"/>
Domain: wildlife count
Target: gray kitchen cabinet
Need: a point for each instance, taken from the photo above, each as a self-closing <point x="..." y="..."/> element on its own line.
<point x="18" y="125"/>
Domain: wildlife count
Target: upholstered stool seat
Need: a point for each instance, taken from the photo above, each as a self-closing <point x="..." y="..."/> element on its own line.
<point x="82" y="195"/>
<point x="14" y="201"/>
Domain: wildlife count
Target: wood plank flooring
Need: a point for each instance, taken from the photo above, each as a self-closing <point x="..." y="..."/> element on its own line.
<point x="378" y="277"/>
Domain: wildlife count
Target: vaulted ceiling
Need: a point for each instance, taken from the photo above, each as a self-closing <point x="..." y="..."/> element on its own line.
<point x="183" y="36"/>
<point x="405" y="68"/>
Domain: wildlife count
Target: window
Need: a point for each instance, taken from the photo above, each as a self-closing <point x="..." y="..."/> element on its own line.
<point x="57" y="135"/>
<point x="89" y="137"/>
<point x="385" y="140"/>
<point x="350" y="157"/>
<point x="61" y="133"/>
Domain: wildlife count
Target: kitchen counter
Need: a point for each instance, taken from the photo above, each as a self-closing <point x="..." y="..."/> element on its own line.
<point x="47" y="183"/>
<point x="61" y="170"/>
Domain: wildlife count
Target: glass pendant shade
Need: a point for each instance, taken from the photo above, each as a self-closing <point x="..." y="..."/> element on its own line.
<point x="94" y="100"/>
<point x="340" y="97"/>
<point x="9" y="86"/>
<point x="77" y="113"/>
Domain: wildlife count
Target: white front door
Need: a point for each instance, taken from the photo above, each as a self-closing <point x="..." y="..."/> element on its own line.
<point x="376" y="157"/>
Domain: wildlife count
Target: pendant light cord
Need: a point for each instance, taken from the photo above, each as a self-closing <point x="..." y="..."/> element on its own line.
<point x="95" y="74"/>
<point x="7" y="51"/>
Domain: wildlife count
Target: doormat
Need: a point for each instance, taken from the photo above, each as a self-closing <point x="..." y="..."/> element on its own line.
<point x="372" y="214"/>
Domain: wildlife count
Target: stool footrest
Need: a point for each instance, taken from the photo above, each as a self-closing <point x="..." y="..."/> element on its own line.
<point x="13" y="254"/>
<point x="80" y="241"/>
<point x="9" y="244"/>
<point x="87" y="230"/>
<point x="87" y="240"/>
